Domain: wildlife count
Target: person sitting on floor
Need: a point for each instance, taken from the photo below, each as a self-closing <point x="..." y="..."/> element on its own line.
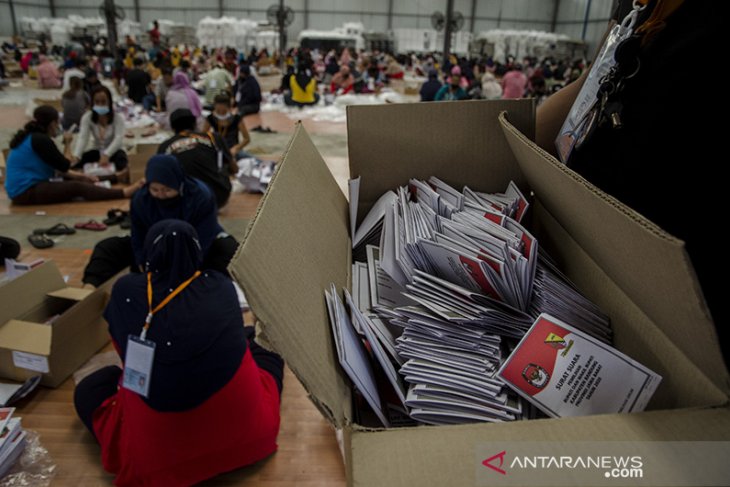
<point x="34" y="159"/>
<point x="203" y="156"/>
<point x="48" y="74"/>
<point x="180" y="95"/>
<point x="430" y="88"/>
<point x="168" y="193"/>
<point x="343" y="82"/>
<point x="451" y="91"/>
<point x="74" y="103"/>
<point x="106" y="129"/>
<point x="303" y="88"/>
<point x="211" y="388"/>
<point x="91" y="81"/>
<point x="228" y="126"/>
<point x="248" y="92"/>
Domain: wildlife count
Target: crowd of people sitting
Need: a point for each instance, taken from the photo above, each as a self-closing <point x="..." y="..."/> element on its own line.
<point x="465" y="79"/>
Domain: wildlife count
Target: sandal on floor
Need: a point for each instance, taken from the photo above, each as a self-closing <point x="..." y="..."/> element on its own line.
<point x="126" y="223"/>
<point x="9" y="248"/>
<point x="58" y="229"/>
<point x="91" y="225"/>
<point x="40" y="241"/>
<point x="115" y="216"/>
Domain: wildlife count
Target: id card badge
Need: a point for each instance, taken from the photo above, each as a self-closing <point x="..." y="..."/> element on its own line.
<point x="138" y="365"/>
<point x="582" y="116"/>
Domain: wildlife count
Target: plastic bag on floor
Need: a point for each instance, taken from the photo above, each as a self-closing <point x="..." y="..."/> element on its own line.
<point x="35" y="468"/>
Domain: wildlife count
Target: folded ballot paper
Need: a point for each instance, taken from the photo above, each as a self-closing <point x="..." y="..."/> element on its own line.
<point x="451" y="296"/>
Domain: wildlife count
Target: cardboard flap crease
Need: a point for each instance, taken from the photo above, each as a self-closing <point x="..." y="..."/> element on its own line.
<point x="296" y="245"/>
<point x="643" y="260"/>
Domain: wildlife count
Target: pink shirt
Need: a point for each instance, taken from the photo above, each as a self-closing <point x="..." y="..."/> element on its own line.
<point x="514" y="84"/>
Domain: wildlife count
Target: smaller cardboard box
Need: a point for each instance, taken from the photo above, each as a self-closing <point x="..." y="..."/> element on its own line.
<point x="138" y="160"/>
<point x="47" y="327"/>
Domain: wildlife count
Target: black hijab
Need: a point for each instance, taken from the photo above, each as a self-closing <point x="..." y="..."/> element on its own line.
<point x="195" y="204"/>
<point x="199" y="335"/>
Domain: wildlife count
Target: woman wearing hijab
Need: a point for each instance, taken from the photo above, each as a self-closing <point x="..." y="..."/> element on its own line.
<point x="181" y="95"/>
<point x="210" y="402"/>
<point x="167" y="194"/>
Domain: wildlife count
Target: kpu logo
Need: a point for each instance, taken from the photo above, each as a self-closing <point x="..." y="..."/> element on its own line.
<point x="499" y="456"/>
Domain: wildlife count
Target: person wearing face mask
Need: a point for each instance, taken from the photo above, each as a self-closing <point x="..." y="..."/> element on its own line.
<point x="202" y="155"/>
<point x="106" y="131"/>
<point x="228" y="126"/>
<point x="451" y="91"/>
<point x="34" y="160"/>
<point x="168" y="193"/>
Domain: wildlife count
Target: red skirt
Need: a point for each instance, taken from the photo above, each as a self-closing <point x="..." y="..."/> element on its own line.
<point x="236" y="426"/>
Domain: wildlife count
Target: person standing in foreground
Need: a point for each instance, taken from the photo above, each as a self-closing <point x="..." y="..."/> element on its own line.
<point x="659" y="158"/>
<point x="210" y="403"/>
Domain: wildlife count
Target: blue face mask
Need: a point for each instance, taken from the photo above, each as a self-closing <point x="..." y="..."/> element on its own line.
<point x="101" y="109"/>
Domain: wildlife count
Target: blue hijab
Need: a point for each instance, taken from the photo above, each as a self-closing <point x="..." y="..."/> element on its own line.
<point x="195" y="204"/>
<point x="199" y="335"/>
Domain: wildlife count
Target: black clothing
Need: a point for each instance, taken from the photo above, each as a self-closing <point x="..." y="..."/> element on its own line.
<point x="204" y="157"/>
<point x="663" y="162"/>
<point x="137" y="83"/>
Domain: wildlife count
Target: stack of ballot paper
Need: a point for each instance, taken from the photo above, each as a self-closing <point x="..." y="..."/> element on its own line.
<point x="445" y="284"/>
<point x="12" y="440"/>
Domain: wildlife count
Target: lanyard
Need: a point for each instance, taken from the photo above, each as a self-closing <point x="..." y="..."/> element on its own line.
<point x="164" y="302"/>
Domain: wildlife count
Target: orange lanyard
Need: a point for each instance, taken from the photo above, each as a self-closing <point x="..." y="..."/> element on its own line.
<point x="657" y="20"/>
<point x="164" y="302"/>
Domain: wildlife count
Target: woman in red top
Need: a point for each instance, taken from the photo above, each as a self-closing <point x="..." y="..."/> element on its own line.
<point x="213" y="400"/>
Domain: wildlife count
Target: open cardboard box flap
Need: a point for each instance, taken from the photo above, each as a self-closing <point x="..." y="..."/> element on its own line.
<point x="645" y="262"/>
<point x="25" y="336"/>
<point x="296" y="245"/>
<point x="26" y="291"/>
<point x="395" y="143"/>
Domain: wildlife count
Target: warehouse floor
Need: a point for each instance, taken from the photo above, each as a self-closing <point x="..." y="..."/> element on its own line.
<point x="308" y="453"/>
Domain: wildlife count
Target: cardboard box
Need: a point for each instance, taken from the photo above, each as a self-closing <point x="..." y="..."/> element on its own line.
<point x="138" y="160"/>
<point x="299" y="242"/>
<point x="29" y="346"/>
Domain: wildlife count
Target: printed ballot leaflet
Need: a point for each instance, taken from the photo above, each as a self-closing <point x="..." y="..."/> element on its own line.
<point x="440" y="322"/>
<point x="565" y="372"/>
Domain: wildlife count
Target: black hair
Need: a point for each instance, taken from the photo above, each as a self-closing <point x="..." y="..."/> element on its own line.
<point x="183" y="123"/>
<point x="138" y="61"/>
<point x="222" y="99"/>
<point x="43" y="116"/>
<point x="110" y="115"/>
<point x="184" y="64"/>
<point x="166" y="70"/>
<point x="75" y="84"/>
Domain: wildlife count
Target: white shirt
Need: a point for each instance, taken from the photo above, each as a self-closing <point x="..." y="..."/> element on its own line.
<point x="112" y="140"/>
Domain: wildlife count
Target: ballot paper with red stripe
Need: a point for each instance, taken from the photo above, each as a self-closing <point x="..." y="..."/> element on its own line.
<point x="565" y="372"/>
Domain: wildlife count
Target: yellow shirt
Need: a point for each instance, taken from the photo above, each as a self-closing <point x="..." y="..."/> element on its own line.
<point x="300" y="95"/>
